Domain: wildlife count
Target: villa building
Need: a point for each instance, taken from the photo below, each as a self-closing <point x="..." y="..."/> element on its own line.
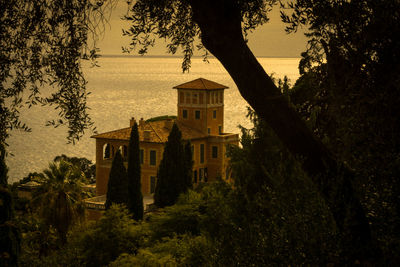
<point x="200" y="118"/>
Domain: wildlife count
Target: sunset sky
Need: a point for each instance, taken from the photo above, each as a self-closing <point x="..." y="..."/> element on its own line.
<point x="269" y="40"/>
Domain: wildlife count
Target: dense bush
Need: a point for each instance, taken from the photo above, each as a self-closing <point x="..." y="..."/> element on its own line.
<point x="98" y="243"/>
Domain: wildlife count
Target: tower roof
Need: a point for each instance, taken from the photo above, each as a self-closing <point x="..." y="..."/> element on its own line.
<point x="201" y="84"/>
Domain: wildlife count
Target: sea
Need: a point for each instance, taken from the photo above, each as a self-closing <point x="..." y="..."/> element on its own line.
<point x="123" y="87"/>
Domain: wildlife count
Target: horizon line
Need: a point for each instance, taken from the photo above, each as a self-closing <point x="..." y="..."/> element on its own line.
<point x="178" y="56"/>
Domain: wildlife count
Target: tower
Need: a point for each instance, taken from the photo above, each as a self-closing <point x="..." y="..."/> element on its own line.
<point x="201" y="105"/>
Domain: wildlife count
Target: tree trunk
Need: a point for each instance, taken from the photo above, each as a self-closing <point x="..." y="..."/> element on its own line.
<point x="221" y="34"/>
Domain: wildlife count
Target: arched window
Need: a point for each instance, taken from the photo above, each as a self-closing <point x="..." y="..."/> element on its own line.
<point x="106" y="151"/>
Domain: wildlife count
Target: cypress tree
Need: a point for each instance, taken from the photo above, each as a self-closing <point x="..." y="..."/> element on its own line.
<point x="135" y="197"/>
<point x="172" y="178"/>
<point x="117" y="192"/>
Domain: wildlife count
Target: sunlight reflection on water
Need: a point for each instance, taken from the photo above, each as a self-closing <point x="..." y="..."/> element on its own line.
<point x="122" y="88"/>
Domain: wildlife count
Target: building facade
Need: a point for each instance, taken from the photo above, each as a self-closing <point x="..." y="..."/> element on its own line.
<point x="200" y="118"/>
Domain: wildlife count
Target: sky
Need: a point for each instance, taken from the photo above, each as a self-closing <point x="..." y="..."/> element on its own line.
<point x="268" y="40"/>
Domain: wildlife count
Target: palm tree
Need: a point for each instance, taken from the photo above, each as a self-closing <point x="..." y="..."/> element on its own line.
<point x="59" y="197"/>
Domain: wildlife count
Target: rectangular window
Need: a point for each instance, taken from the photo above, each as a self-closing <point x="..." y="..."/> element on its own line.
<point x="201" y="153"/>
<point x="184" y="114"/>
<point x="141" y="156"/>
<point x="201" y="98"/>
<point x="205" y="175"/>
<point x="152" y="184"/>
<point x="182" y="97"/>
<point x="194" y="100"/>
<point x="221" y="97"/>
<point x="214" y="152"/>
<point x="219" y="129"/>
<point x="187" y="98"/>
<point x="214" y="114"/>
<point x="195" y="176"/>
<point x="208" y="130"/>
<point x="197" y="114"/>
<point x="153" y="158"/>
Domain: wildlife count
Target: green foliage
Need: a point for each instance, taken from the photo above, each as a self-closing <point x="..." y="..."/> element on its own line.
<point x="58" y="199"/>
<point x="183" y="250"/>
<point x="135" y="197"/>
<point x="117" y="188"/>
<point x="38" y="239"/>
<point x="219" y="226"/>
<point x="161" y="118"/>
<point x="350" y="100"/>
<point x="275" y="214"/>
<point x="144" y="258"/>
<point x="173" y="237"/>
<point x="85" y="165"/>
<point x="56" y="206"/>
<point x="115" y="233"/>
<point x="98" y="243"/>
<point x="179" y="219"/>
<point x="172" y="177"/>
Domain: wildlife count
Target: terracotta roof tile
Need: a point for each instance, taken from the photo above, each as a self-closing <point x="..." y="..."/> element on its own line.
<point x="116" y="134"/>
<point x="158" y="132"/>
<point x="201" y="84"/>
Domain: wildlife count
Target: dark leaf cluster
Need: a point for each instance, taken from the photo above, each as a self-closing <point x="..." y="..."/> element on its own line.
<point x="349" y="93"/>
<point x="42" y="45"/>
<point x="172" y="20"/>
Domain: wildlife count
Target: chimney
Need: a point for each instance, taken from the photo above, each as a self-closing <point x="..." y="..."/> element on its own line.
<point x="132" y="122"/>
<point x="141" y="122"/>
<point x="168" y="124"/>
<point x="146" y="135"/>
